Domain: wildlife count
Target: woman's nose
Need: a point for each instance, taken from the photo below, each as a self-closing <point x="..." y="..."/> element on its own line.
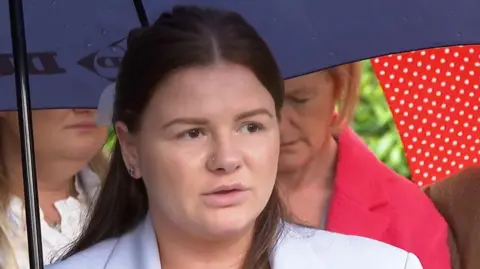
<point x="225" y="159"/>
<point x="285" y="120"/>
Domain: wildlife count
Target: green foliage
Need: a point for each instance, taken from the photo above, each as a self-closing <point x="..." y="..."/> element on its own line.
<point x="110" y="140"/>
<point x="374" y="123"/>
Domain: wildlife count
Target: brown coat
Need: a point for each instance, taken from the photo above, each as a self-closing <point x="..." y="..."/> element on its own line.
<point x="458" y="200"/>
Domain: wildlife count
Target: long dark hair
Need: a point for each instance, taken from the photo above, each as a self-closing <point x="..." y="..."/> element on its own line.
<point x="185" y="37"/>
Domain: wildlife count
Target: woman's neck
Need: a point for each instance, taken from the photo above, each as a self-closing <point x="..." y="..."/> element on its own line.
<point x="54" y="183"/>
<point x="312" y="185"/>
<point x="55" y="177"/>
<point x="178" y="250"/>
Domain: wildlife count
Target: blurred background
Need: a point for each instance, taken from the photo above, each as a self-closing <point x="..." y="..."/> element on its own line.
<point x="373" y="122"/>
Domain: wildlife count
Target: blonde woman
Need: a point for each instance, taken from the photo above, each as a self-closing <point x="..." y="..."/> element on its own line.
<point x="69" y="165"/>
<point x="329" y="179"/>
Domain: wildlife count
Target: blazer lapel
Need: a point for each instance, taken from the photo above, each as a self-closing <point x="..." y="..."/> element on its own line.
<point x="360" y="204"/>
<point x="137" y="249"/>
<point x="347" y="216"/>
<point x="293" y="250"/>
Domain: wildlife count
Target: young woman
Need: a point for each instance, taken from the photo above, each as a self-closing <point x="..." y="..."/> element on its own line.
<point x="69" y="165"/>
<point x="329" y="179"/>
<point x="192" y="179"/>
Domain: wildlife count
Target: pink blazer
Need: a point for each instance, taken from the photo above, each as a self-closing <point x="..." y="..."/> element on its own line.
<point x="371" y="200"/>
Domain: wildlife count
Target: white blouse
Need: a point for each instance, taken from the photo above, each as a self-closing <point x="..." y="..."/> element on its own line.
<point x="54" y="239"/>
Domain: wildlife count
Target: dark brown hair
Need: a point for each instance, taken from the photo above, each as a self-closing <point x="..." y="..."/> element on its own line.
<point x="185" y="37"/>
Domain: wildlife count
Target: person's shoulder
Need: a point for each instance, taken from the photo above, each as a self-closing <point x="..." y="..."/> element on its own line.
<point x="412" y="208"/>
<point x="346" y="251"/>
<point x="95" y="257"/>
<point x="456" y="188"/>
<point x="399" y="188"/>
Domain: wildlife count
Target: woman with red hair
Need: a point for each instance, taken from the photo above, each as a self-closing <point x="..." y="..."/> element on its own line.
<point x="330" y="180"/>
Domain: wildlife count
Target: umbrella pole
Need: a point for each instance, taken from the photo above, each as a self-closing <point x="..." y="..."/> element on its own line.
<point x="141" y="14"/>
<point x="25" y="124"/>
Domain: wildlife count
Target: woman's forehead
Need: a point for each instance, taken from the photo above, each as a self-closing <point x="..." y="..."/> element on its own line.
<point x="212" y="78"/>
<point x="210" y="90"/>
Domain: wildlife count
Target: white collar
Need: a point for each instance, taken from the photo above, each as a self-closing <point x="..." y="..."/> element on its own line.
<point x="87" y="184"/>
<point x="72" y="211"/>
<point x="141" y="246"/>
<point x="298" y="247"/>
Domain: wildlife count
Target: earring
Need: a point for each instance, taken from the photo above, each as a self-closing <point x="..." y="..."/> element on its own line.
<point x="130" y="171"/>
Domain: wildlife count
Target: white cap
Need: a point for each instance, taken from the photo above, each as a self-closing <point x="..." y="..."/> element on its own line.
<point x="105" y="106"/>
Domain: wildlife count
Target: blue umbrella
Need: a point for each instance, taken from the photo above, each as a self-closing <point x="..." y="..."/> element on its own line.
<point x="309" y="35"/>
<point x="75" y="51"/>
<point x="75" y="46"/>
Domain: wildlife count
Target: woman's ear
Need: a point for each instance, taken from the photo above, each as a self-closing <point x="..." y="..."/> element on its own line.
<point x="128" y="146"/>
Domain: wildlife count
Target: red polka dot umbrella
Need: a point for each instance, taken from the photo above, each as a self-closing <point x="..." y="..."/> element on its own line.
<point x="434" y="96"/>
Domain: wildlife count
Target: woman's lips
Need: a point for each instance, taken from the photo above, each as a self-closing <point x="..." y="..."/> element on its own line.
<point x="84" y="125"/>
<point x="225" y="198"/>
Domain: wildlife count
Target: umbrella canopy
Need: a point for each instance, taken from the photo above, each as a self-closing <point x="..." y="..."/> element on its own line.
<point x="75" y="46"/>
<point x="308" y="35"/>
<point x="74" y="49"/>
<point x="434" y="95"/>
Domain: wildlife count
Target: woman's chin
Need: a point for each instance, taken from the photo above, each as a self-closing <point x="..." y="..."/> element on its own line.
<point x="229" y="226"/>
<point x="289" y="163"/>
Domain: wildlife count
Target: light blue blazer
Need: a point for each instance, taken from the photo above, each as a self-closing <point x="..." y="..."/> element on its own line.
<point x="299" y="247"/>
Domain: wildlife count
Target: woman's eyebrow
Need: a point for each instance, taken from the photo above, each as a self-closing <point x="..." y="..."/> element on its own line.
<point x="204" y="121"/>
<point x="254" y="112"/>
<point x="189" y="121"/>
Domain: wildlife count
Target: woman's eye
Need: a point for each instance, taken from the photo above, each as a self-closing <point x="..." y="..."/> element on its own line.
<point x="191" y="134"/>
<point x="251" y="128"/>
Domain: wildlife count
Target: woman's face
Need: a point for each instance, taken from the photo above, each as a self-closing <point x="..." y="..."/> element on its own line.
<point x="59" y="133"/>
<point x="307" y="115"/>
<point x="207" y="150"/>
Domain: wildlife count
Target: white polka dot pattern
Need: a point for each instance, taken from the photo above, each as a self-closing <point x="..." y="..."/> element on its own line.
<point x="434" y="96"/>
